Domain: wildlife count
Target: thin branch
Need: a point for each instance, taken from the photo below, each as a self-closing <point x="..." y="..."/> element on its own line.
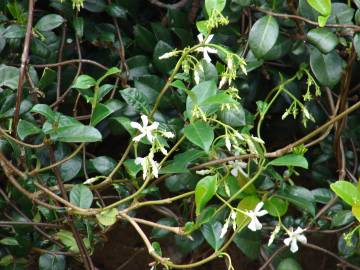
<point x="24" y="62"/>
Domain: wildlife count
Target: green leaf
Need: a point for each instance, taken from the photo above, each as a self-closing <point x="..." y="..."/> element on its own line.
<point x="211" y="232"/>
<point x="289" y="264"/>
<point x="327" y="68"/>
<point x="341" y="218"/>
<point x="263" y="35"/>
<point x="45" y="111"/>
<point x="163" y="65"/>
<point x="68" y="240"/>
<point x="290" y="160"/>
<point x="103" y="164"/>
<point x="219" y="99"/>
<point x="276" y="207"/>
<point x="181" y="161"/>
<point x="214" y="5"/>
<point x="51" y="262"/>
<point x="70" y="168"/>
<point x="81" y="196"/>
<point x="47" y="78"/>
<point x="346" y="191"/>
<point x="9" y="241"/>
<point x="26" y="128"/>
<point x="300" y="197"/>
<point x="201" y="134"/>
<point x="321" y="6"/>
<point x="233" y="117"/>
<point x="323" y="38"/>
<point x="49" y="22"/>
<point x="248" y="203"/>
<point x="249" y="243"/>
<point x="356" y="42"/>
<point x="84" y="82"/>
<point x="100" y="113"/>
<point x="144" y="38"/>
<point x="356" y="211"/>
<point x="199" y="94"/>
<point x="205" y="189"/>
<point x="107" y="217"/>
<point x="136" y="99"/>
<point x="78" y="24"/>
<point x="116" y="11"/>
<point x="9" y="76"/>
<point x="76" y="133"/>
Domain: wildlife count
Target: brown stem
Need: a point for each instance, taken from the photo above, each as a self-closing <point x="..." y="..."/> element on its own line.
<point x="24" y="62"/>
<point x="83" y="251"/>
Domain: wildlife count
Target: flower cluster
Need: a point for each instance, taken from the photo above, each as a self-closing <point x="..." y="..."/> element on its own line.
<point x="151" y="132"/>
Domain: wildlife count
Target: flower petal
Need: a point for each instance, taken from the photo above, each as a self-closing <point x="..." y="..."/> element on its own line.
<point x="209" y="38"/>
<point x="262" y="213"/>
<point x="287" y="241"/>
<point x="258" y="207"/>
<point x="200" y="37"/>
<point x="294" y="246"/>
<point x="145" y="120"/>
<point x="138" y="137"/>
<point x="302" y="239"/>
<point x="234" y="172"/>
<point x="136" y="125"/>
<point x="207" y="57"/>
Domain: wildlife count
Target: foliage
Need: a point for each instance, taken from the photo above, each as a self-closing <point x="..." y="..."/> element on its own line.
<point x="221" y="124"/>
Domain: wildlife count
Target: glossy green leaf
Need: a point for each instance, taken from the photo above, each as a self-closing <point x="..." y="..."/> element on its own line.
<point x="214" y="5"/>
<point x="26" y="128"/>
<point x="263" y="35"/>
<point x="103" y="164"/>
<point x="211" y="232"/>
<point x="326" y="67"/>
<point x="324" y="39"/>
<point x="341" y="218"/>
<point x="289" y="264"/>
<point x="49" y="22"/>
<point x="101" y="111"/>
<point x="293" y="160"/>
<point x="78" y="24"/>
<point x="346" y="191"/>
<point x="107" y="217"/>
<point x="116" y="11"/>
<point x="68" y="240"/>
<point x="76" y="133"/>
<point x="249" y="243"/>
<point x="321" y="6"/>
<point x="204" y="191"/>
<point x="356" y="211"/>
<point x="300" y="197"/>
<point x="84" y="82"/>
<point x="45" y="111"/>
<point x="52" y="262"/>
<point x="200" y="134"/>
<point x="9" y="241"/>
<point x="248" y="203"/>
<point x="81" y="196"/>
<point x="9" y="76"/>
<point x="136" y="99"/>
<point x="276" y="207"/>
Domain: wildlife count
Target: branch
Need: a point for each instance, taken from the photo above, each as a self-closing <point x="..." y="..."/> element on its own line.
<point x="356" y="28"/>
<point x="24" y="62"/>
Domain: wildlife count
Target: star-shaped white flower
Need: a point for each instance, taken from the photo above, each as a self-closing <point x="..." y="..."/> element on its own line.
<point x="255" y="224"/>
<point x="144" y="129"/>
<point x="206" y="50"/>
<point x="237" y="166"/>
<point x="295" y="236"/>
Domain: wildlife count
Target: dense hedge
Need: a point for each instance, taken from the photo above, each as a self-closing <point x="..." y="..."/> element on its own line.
<point x="179" y="134"/>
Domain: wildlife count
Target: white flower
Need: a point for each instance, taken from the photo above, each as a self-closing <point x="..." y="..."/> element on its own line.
<point x="168" y="55"/>
<point x="225" y="228"/>
<point x="233" y="216"/>
<point x="203" y="172"/>
<point x="255" y="224"/>
<point x="295" y="236"/>
<point x="273" y="234"/>
<point x="149" y="165"/>
<point x="237" y="166"/>
<point x="145" y="130"/>
<point x="228" y="143"/>
<point x="168" y="134"/>
<point x="206" y="50"/>
<point x="143" y="162"/>
<point x="197" y="69"/>
<point x="222" y="81"/>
